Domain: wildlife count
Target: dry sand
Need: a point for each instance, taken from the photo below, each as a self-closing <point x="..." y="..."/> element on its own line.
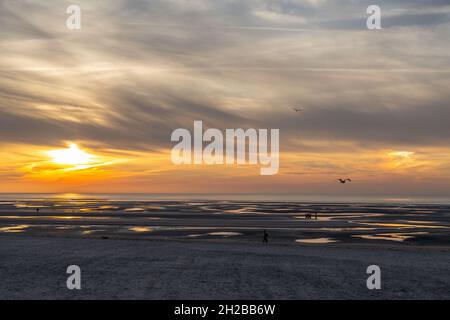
<point x="34" y="268"/>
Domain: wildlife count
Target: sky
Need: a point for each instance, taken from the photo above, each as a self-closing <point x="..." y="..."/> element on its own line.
<point x="375" y="103"/>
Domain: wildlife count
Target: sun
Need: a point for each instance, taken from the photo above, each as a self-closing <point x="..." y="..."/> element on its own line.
<point x="71" y="156"/>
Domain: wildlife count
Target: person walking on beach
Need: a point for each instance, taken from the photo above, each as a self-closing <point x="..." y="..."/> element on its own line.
<point x="266" y="237"/>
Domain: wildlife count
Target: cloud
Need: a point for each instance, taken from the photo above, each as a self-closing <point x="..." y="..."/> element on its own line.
<point x="138" y="70"/>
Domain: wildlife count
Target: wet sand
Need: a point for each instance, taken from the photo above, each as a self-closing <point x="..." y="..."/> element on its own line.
<point x="222" y="220"/>
<point x="213" y="250"/>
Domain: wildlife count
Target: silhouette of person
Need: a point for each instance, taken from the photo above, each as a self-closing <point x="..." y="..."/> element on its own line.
<point x="37" y="210"/>
<point x="266" y="237"/>
<point x="315" y="215"/>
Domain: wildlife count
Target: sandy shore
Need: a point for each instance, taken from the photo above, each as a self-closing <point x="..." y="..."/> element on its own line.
<point x="34" y="268"/>
<point x="213" y="250"/>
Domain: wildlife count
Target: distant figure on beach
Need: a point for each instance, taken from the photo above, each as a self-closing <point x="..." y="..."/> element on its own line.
<point x="308" y="216"/>
<point x="37" y="210"/>
<point x="344" y="180"/>
<point x="265" y="237"/>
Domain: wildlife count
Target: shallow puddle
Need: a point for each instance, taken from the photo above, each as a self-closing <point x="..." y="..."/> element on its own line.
<point x="399" y="237"/>
<point x="14" y="229"/>
<point x="225" y="234"/>
<point x="134" y="209"/>
<point x="140" y="229"/>
<point x="316" y="240"/>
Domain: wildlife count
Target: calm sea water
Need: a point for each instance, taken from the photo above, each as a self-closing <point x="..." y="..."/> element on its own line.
<point x="230" y="197"/>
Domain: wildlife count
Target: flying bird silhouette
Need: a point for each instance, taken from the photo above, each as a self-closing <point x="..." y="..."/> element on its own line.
<point x="344" y="180"/>
<point x="297" y="109"/>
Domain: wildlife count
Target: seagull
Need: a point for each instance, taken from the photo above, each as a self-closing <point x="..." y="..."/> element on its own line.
<point x="297" y="110"/>
<point x="344" y="180"/>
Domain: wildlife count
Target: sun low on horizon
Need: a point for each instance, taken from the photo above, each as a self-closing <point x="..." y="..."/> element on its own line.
<point x="71" y="156"/>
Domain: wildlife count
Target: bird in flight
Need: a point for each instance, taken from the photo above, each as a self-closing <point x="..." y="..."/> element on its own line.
<point x="344" y="180"/>
<point x="297" y="109"/>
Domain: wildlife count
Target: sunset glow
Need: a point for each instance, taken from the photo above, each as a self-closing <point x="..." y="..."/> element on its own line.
<point x="75" y="117"/>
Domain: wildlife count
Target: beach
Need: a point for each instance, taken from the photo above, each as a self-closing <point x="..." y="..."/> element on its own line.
<point x="214" y="250"/>
<point x="35" y="268"/>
